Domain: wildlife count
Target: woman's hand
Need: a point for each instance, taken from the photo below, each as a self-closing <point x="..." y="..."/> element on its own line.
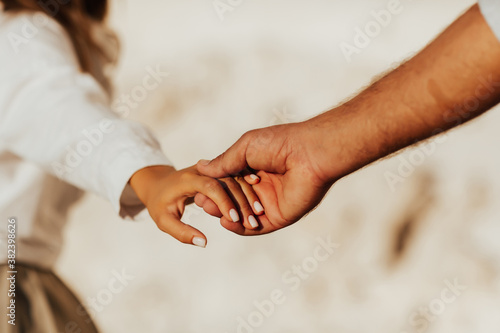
<point x="165" y="192"/>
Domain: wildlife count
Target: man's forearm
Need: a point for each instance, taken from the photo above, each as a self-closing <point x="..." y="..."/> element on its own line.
<point x="454" y="79"/>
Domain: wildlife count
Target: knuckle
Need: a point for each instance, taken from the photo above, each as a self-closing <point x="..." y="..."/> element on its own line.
<point x="250" y="134"/>
<point x="246" y="208"/>
<point x="211" y="185"/>
<point x="186" y="177"/>
<point x="184" y="236"/>
<point x="231" y="184"/>
<point x="162" y="226"/>
<point x="226" y="203"/>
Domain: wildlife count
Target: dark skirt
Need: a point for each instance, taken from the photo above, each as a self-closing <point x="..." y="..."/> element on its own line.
<point x="43" y="303"/>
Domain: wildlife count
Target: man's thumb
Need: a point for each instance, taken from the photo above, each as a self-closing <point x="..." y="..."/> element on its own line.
<point x="220" y="167"/>
<point x="231" y="162"/>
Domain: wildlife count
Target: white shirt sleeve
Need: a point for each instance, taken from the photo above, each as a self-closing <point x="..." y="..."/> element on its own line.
<point x="491" y="12"/>
<point x="53" y="115"/>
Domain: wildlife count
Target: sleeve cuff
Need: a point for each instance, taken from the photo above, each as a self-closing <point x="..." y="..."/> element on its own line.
<point x="491" y="12"/>
<point x="126" y="203"/>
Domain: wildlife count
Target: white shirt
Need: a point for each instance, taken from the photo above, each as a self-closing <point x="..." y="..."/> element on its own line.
<point x="491" y="12"/>
<point x="57" y="134"/>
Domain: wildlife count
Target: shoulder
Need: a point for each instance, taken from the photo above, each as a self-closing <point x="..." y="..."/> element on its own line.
<point x="28" y="35"/>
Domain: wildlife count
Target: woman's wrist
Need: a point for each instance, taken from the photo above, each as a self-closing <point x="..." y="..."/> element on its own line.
<point x="143" y="180"/>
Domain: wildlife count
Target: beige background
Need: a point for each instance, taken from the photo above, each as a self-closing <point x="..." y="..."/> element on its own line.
<point x="270" y="62"/>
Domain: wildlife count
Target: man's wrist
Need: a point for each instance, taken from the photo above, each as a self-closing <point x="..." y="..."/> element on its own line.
<point x="339" y="144"/>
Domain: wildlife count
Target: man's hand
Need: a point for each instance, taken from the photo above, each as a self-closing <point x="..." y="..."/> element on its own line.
<point x="292" y="184"/>
<point x="453" y="80"/>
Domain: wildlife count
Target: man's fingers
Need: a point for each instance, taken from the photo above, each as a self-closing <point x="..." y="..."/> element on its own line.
<point x="229" y="163"/>
<point x="182" y="232"/>
<point x="250" y="176"/>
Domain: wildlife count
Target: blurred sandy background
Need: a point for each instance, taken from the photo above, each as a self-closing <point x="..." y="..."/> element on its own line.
<point x="270" y="62"/>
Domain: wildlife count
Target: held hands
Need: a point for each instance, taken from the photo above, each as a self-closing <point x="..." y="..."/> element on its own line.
<point x="293" y="178"/>
<point x="293" y="181"/>
<point x="165" y="192"/>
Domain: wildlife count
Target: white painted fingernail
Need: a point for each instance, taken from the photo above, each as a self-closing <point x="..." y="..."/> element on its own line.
<point x="198" y="241"/>
<point x="254" y="177"/>
<point x="253" y="221"/>
<point x="234" y="215"/>
<point x="258" y="207"/>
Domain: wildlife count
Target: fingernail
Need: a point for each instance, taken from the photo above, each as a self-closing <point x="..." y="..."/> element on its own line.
<point x="198" y="241"/>
<point x="253" y="221"/>
<point x="258" y="207"/>
<point x="234" y="215"/>
<point x="254" y="177"/>
<point x="204" y="162"/>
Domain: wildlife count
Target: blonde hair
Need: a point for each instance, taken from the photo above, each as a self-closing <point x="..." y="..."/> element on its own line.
<point x="95" y="45"/>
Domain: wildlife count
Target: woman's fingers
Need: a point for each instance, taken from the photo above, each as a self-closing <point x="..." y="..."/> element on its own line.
<point x="243" y="196"/>
<point x="213" y="190"/>
<point x="251" y="196"/>
<point x="239" y="197"/>
<point x="265" y="227"/>
<point x="202" y="201"/>
<point x="182" y="232"/>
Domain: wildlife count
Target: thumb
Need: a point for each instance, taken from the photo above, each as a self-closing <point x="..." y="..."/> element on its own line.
<point x="228" y="163"/>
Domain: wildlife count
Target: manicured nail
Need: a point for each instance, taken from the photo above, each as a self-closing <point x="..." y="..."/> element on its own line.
<point x="234" y="215"/>
<point x="198" y="241"/>
<point x="204" y="162"/>
<point x="253" y="221"/>
<point x="254" y="177"/>
<point x="258" y="207"/>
